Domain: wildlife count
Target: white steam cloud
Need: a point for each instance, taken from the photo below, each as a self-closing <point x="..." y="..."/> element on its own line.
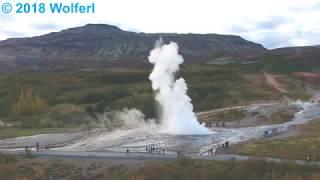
<point x="177" y="116"/>
<point x="125" y="119"/>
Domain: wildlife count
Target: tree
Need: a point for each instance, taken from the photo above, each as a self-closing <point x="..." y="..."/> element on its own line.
<point x="29" y="103"/>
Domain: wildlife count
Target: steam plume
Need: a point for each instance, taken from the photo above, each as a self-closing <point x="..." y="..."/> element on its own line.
<point x="177" y="111"/>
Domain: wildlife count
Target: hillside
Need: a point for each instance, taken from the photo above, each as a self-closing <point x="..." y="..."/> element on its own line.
<point x="94" y="45"/>
<point x="282" y="60"/>
<point x="104" y="68"/>
<point x="97" y="46"/>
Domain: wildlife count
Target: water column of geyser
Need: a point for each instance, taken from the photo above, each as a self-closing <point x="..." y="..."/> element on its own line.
<point x="177" y="116"/>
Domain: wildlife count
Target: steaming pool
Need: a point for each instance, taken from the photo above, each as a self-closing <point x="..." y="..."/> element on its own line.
<point x="137" y="139"/>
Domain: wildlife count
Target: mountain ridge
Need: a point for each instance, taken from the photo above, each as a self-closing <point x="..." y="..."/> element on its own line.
<point x="96" y="44"/>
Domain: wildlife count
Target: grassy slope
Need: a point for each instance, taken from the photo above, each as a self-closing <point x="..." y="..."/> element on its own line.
<point x="295" y="147"/>
<point x="17" y="132"/>
<point x="210" y="87"/>
<point x="12" y="168"/>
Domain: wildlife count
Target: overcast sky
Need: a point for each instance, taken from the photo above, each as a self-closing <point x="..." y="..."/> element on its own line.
<point x="273" y="23"/>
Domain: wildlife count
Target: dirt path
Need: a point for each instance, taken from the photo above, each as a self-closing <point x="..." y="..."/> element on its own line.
<point x="272" y="82"/>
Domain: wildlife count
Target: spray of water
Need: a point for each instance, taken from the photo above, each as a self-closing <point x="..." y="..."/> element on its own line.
<point x="177" y="116"/>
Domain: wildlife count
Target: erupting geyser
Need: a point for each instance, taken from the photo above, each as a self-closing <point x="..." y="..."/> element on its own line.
<point x="177" y="116"/>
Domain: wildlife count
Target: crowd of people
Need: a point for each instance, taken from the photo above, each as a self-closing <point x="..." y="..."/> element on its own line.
<point x="272" y="132"/>
<point x="225" y="145"/>
<point x="211" y="150"/>
<point x="218" y="124"/>
<point x="153" y="149"/>
<point x="38" y="147"/>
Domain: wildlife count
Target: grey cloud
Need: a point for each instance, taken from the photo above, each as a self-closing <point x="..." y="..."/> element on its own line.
<point x="272" y="23"/>
<point x="12" y="34"/>
<point x="269" y="24"/>
<point x="4" y="18"/>
<point x="271" y="39"/>
<point x="264" y="33"/>
<point x="274" y="40"/>
<point x="235" y="28"/>
<point x="49" y="26"/>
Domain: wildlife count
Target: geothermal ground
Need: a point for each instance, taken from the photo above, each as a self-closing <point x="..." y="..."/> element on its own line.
<point x="178" y="130"/>
<point x="137" y="139"/>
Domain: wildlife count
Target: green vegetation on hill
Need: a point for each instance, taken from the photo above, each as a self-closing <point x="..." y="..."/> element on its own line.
<point x="18" y="132"/>
<point x="210" y="87"/>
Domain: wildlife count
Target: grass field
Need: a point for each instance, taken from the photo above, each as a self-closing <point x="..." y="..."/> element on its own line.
<point x="210" y="87"/>
<point x="17" y="132"/>
<point x="184" y="169"/>
<point x="295" y="147"/>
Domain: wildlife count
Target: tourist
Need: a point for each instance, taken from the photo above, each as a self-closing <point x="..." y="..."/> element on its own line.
<point x="227" y="144"/>
<point x="308" y="157"/>
<point x="38" y="146"/>
<point x="26" y="149"/>
<point x="128" y="150"/>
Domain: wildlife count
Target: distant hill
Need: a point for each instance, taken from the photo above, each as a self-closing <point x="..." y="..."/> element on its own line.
<point x="291" y="59"/>
<point x="96" y="45"/>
